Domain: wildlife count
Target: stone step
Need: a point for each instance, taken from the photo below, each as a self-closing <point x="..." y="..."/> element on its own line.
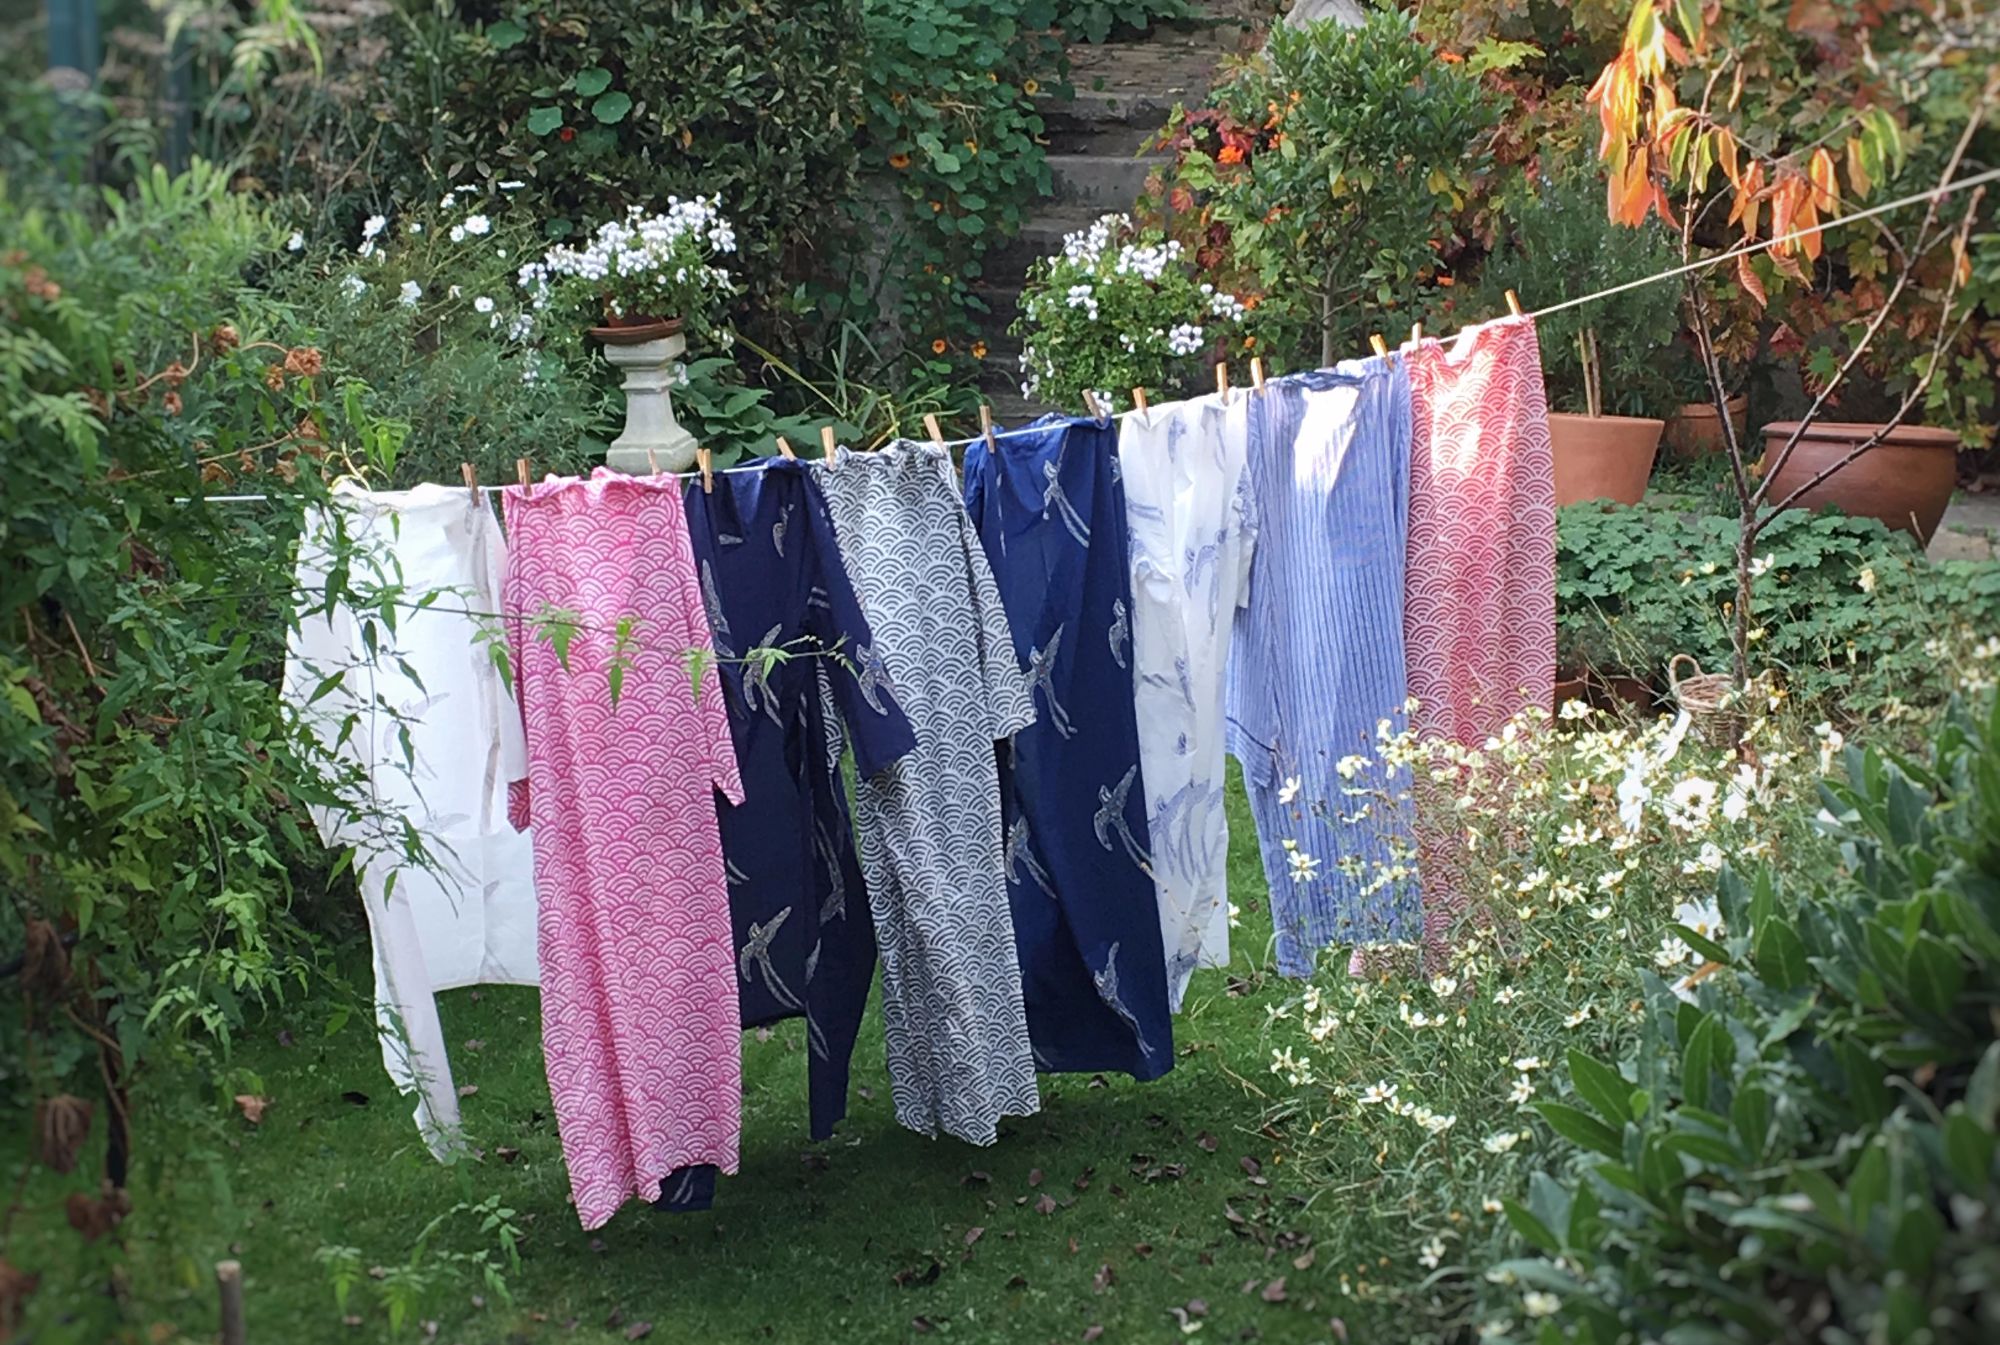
<point x="1107" y="181"/>
<point x="1112" y="121"/>
<point x="1040" y="236"/>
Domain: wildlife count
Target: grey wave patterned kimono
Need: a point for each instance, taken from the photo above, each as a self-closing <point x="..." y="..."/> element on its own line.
<point x="931" y="841"/>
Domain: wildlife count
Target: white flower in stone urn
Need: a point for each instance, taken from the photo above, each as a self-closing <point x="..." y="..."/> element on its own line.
<point x="643" y="282"/>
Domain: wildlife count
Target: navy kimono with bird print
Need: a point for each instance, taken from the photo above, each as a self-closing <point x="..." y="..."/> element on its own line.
<point x="1051" y="515"/>
<point x="793" y="649"/>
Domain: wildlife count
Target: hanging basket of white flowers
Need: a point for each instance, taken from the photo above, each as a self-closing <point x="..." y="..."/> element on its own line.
<point x="642" y="278"/>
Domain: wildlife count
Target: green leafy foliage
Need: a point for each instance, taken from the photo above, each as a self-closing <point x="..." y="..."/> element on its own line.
<point x="1819" y="1159"/>
<point x="1851" y="617"/>
<point x="950" y="133"/>
<point x="1366" y="145"/>
<point x="1096" y="20"/>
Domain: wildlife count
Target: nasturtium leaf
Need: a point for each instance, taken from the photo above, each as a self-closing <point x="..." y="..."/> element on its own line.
<point x="543" y="120"/>
<point x="612" y="107"/>
<point x="592" y="81"/>
<point x="505" y="34"/>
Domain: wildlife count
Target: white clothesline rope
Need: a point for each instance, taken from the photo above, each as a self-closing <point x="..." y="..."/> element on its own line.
<point x="1741" y="250"/>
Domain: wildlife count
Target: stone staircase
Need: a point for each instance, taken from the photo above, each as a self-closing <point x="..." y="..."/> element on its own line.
<point x="1124" y="93"/>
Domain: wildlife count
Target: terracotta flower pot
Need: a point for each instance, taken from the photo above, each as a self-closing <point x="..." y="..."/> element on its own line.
<point x="1905" y="480"/>
<point x="635" y="331"/>
<point x="1695" y="430"/>
<point x="1603" y="457"/>
<point x="1621" y="691"/>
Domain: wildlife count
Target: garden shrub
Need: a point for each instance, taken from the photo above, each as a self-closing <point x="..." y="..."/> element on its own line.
<point x="595" y="106"/>
<point x="1096" y="20"/>
<point x="950" y="123"/>
<point x="1333" y="169"/>
<point x="1849" y="615"/>
<point x="1802" y="1145"/>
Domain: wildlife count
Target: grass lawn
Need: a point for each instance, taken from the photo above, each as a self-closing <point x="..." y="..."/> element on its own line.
<point x="1162" y="1194"/>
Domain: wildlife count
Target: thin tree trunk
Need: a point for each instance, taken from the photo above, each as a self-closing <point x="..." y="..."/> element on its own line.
<point x="1327" y="354"/>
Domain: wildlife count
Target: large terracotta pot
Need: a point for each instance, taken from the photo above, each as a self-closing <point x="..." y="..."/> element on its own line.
<point x="1695" y="430"/>
<point x="1905" y="480"/>
<point x="1603" y="457"/>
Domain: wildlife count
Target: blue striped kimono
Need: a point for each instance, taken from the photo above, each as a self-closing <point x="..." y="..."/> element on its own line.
<point x="1051" y="516"/>
<point x="1317" y="661"/>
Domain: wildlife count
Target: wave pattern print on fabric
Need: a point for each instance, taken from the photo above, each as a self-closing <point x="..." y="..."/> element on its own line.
<point x="469" y="917"/>
<point x="930" y="825"/>
<point x="639" y="971"/>
<point x="1192" y="522"/>
<point x="1479" y="600"/>
<point x="804" y="949"/>
<point x="1052" y="517"/>
<point x="1318" y="659"/>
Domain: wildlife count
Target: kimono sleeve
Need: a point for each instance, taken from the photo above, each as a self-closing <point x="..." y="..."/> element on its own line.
<point x="711" y="710"/>
<point x="1009" y="698"/>
<point x="859" y="684"/>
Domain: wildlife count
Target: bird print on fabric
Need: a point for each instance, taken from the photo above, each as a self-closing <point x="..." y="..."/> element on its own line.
<point x="1021" y="858"/>
<point x="1042" y="670"/>
<point x="1121" y="631"/>
<point x="1109" y="820"/>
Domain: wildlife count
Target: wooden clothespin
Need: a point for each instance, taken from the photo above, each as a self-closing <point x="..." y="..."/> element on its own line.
<point x="653" y="461"/>
<point x="828" y="442"/>
<point x="521" y="469"/>
<point x="1514" y="303"/>
<point x="465" y="470"/>
<point x="986" y="428"/>
<point x="1416" y="332"/>
<point x="1139" y="399"/>
<point x="1380" y="346"/>
<point x="1257" y="372"/>
<point x="785" y="448"/>
<point x="932" y="429"/>
<point x="1222" y="380"/>
<point x="1090" y="405"/>
<point x="707" y="461"/>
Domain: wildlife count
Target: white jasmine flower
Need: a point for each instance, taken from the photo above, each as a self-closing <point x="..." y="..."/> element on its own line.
<point x="1577" y="1019"/>
<point x="1444" y="987"/>
<point x="1523" y="1089"/>
<point x="1290" y="789"/>
<point x="1433" y="1254"/>
<point x="296" y="242"/>
<point x="1379" y="1093"/>
<point x="482" y="305"/>
<point x="1505" y="995"/>
<point x="1866" y="581"/>
<point x="1602" y="912"/>
<point x="477" y="225"/>
<point x="1708" y="860"/>
<point x="1760" y="566"/>
<point x="1689" y="804"/>
<point x="410" y="292"/>
<point x="354" y="285"/>
<point x="373" y="225"/>
<point x="1491" y="1206"/>
<point x="1535" y="1303"/>
<point x="1703" y="917"/>
<point x="1501" y="1142"/>
<point x="1529" y="1062"/>
<point x="512" y="184"/>
<point x="1672" y="952"/>
<point x="1304" y="867"/>
<point x="457" y="234"/>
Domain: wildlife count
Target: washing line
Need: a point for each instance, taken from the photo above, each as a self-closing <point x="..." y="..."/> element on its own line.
<point x="1741" y="250"/>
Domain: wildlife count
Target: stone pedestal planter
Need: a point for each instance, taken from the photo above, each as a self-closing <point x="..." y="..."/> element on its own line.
<point x="651" y="433"/>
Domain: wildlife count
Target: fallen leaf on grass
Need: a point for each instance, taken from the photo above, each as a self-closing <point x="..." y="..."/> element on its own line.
<point x="1092" y="1332"/>
<point x="1082" y="1182"/>
<point x="468" y="1090"/>
<point x="867" y="1093"/>
<point x="975" y="1178"/>
<point x="252" y="1106"/>
<point x="1018" y="1282"/>
<point x="638" y="1330"/>
<point x="1104" y="1278"/>
<point x="763" y="1034"/>
<point x="1274" y="1292"/>
<point x="1205" y="1141"/>
<point x="505" y="1154"/>
<point x="923" y="1325"/>
<point x="1251" y="1167"/>
<point x="1034" y="1176"/>
<point x="974" y="1234"/>
<point x="1143" y="1248"/>
<point x="915" y="1277"/>
<point x="1305" y="1261"/>
<point x="475" y="1044"/>
<point x="1185" y="1319"/>
<point x="1072" y="1247"/>
<point x="1046" y="1205"/>
<point x="597" y="1245"/>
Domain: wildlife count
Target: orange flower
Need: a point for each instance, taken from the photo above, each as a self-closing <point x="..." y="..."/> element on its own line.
<point x="1031" y="87"/>
<point x="899" y="160"/>
<point x="938" y="347"/>
<point x="978" y="350"/>
<point x="1446" y="280"/>
<point x="1253" y="301"/>
<point x="936" y="206"/>
<point x="1249" y="343"/>
<point x="972" y="147"/>
<point x="1451" y="58"/>
<point x="1230" y="154"/>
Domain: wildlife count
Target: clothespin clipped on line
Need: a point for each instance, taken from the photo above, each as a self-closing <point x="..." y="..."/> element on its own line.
<point x="1139" y="399"/>
<point x="1090" y="405"/>
<point x="828" y="443"/>
<point x="707" y="462"/>
<point x="1514" y="303"/>
<point x="785" y="448"/>
<point x="653" y="461"/>
<point x="1257" y="372"/>
<point x="471" y="480"/>
<point x="521" y="469"/>
<point x="932" y="428"/>
<point x="1222" y="380"/>
<point x="986" y="428"/>
<point x="1379" y="346"/>
<point x="1416" y="332"/>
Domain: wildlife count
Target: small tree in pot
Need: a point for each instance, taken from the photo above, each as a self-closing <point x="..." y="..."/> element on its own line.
<point x="1710" y="125"/>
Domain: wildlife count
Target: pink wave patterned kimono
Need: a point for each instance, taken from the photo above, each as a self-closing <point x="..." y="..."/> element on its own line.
<point x="639" y="1013"/>
<point x="1479" y="595"/>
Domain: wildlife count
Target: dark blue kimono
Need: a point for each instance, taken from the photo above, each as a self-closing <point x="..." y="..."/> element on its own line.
<point x="1051" y="515"/>
<point x="772" y="579"/>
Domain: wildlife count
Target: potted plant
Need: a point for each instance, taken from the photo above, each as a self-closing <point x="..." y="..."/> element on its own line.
<point x="1902" y="474"/>
<point x="1554" y="241"/>
<point x="640" y="284"/>
<point x="1694" y="430"/>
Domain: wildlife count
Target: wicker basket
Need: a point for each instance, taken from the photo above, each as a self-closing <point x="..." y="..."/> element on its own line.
<point x="1710" y="700"/>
